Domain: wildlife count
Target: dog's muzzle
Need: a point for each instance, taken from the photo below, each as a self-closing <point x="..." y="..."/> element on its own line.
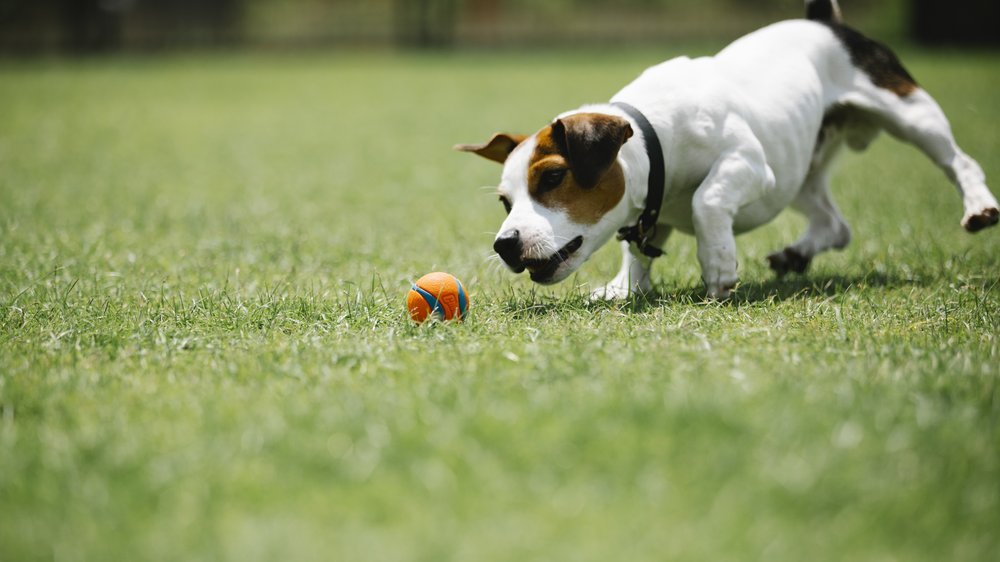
<point x="508" y="246"/>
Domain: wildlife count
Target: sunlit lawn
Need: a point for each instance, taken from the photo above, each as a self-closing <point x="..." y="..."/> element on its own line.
<point x="204" y="353"/>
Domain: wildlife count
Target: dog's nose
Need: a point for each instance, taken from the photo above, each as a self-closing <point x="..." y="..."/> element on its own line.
<point x="508" y="245"/>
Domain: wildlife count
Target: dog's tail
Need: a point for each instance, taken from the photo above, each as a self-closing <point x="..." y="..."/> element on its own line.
<point x="823" y="10"/>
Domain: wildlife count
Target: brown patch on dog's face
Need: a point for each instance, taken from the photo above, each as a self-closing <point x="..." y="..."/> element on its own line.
<point x="574" y="166"/>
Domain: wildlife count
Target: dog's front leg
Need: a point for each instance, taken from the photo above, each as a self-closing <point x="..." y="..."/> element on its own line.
<point x="633" y="277"/>
<point x="737" y="178"/>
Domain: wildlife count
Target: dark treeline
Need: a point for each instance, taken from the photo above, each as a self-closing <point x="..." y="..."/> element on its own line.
<point x="95" y="26"/>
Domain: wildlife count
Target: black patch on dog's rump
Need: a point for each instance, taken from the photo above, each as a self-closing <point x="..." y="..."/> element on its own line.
<point x="876" y="60"/>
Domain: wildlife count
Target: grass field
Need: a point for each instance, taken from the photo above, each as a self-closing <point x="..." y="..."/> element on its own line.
<point x="204" y="353"/>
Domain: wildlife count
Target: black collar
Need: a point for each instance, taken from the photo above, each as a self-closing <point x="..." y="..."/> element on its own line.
<point x="641" y="234"/>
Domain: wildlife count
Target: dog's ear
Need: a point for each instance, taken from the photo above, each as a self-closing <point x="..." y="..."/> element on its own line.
<point x="496" y="149"/>
<point x="590" y="142"/>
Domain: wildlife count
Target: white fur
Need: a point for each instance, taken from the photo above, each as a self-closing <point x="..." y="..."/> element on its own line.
<point x="738" y="132"/>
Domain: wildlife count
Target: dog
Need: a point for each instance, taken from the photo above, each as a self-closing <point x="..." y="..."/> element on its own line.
<point x="717" y="146"/>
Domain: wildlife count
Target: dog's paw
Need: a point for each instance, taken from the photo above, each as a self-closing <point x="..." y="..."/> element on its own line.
<point x="610" y="292"/>
<point x="720" y="291"/>
<point x="974" y="222"/>
<point x="788" y="260"/>
<point x="720" y="285"/>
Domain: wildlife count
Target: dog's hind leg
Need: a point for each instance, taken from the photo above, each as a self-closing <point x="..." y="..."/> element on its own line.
<point x="918" y="119"/>
<point x="887" y="93"/>
<point x="827" y="228"/>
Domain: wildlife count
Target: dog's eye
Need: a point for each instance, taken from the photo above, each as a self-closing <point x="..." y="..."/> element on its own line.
<point x="506" y="203"/>
<point x="551" y="179"/>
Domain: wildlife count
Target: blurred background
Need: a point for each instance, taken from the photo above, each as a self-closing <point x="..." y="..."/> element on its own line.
<point x="34" y="27"/>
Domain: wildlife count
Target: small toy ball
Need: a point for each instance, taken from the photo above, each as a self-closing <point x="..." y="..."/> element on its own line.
<point x="438" y="294"/>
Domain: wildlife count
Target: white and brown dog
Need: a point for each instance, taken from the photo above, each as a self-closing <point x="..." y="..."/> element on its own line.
<point x="716" y="146"/>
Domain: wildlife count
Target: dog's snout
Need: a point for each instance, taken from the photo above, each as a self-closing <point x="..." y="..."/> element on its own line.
<point x="508" y="246"/>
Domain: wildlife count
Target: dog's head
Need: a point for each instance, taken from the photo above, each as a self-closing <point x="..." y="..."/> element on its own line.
<point x="563" y="189"/>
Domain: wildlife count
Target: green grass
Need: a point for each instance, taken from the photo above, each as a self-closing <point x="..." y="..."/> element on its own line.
<point x="204" y="352"/>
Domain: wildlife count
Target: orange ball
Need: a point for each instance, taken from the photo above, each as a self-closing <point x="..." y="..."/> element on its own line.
<point x="437" y="294"/>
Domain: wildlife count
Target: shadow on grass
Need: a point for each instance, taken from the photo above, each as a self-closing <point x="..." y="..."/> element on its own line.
<point x="790" y="288"/>
<point x="826" y="285"/>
